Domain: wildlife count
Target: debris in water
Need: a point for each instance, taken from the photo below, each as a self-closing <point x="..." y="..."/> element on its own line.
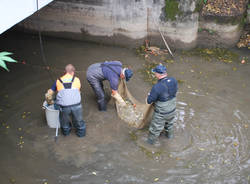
<point x="201" y="149"/>
<point x="156" y="179"/>
<point x="12" y="181"/>
<point x="243" y="61"/>
<point x="235" y="144"/>
<point x="129" y="113"/>
<point x="234" y="68"/>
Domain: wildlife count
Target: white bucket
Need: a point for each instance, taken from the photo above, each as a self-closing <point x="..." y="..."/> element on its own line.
<point x="52" y="115"/>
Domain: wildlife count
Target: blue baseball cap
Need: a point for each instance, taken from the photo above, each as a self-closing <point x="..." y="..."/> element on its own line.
<point x="128" y="74"/>
<point x="161" y="69"/>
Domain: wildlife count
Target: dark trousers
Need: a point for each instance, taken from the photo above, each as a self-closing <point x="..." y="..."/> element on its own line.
<point x="97" y="86"/>
<point x="74" y="112"/>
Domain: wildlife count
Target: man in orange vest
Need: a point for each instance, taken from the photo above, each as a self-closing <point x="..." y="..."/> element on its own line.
<point x="68" y="99"/>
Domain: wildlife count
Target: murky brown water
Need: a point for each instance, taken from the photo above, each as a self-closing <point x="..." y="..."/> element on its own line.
<point x="212" y="132"/>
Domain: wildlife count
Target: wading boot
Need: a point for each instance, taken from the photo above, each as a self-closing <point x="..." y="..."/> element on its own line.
<point x="170" y="134"/>
<point x="151" y="139"/>
<point x="102" y="106"/>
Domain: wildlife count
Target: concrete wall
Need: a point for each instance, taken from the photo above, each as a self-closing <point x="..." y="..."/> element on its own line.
<point x="124" y="22"/>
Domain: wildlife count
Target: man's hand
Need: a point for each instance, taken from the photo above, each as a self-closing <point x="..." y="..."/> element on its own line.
<point x="118" y="98"/>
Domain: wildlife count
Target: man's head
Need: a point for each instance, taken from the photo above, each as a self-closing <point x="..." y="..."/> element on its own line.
<point x="126" y="73"/>
<point x="160" y="71"/>
<point x="70" y="69"/>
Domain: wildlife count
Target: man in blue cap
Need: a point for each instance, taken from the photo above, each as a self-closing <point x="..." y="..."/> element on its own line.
<point x="111" y="71"/>
<point x="163" y="95"/>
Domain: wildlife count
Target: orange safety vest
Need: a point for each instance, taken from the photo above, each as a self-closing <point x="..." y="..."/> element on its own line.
<point x="68" y="88"/>
<point x="67" y="78"/>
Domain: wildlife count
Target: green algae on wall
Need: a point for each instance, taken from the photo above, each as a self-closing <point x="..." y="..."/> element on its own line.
<point x="171" y="9"/>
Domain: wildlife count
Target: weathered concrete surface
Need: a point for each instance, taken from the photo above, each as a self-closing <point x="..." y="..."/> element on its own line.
<point x="128" y="23"/>
<point x="248" y="15"/>
<point x="215" y="35"/>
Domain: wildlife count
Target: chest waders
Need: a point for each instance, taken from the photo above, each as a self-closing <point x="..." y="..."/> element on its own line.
<point x="163" y="118"/>
<point x="71" y="108"/>
<point x="102" y="103"/>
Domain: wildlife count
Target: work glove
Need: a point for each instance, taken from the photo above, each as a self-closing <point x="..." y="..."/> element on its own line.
<point x="118" y="98"/>
<point x="49" y="96"/>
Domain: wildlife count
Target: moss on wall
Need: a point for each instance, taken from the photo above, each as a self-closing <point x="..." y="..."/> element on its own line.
<point x="199" y="5"/>
<point x="171" y="9"/>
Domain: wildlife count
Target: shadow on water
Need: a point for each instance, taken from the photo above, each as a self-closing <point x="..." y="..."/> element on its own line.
<point x="212" y="131"/>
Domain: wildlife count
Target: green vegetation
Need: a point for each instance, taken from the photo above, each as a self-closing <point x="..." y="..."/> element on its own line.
<point x="5" y="58"/>
<point x="140" y="50"/>
<point x="133" y="136"/>
<point x="210" y="31"/>
<point x="199" y="5"/>
<point x="151" y="154"/>
<point x="219" y="54"/>
<point x="148" y="74"/>
<point x="171" y="9"/>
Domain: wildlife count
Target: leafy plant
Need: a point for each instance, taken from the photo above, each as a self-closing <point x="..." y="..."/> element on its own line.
<point x="5" y="58"/>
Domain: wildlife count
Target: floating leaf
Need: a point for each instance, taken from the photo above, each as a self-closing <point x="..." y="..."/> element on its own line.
<point x="156" y="179"/>
<point x="12" y="181"/>
<point x="235" y="144"/>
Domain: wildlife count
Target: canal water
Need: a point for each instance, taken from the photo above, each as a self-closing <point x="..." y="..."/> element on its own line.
<point x="212" y="131"/>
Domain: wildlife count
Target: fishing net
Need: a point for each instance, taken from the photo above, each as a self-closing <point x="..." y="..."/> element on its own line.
<point x="136" y="114"/>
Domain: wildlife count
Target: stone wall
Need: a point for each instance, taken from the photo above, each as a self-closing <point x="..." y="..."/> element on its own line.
<point x="126" y="23"/>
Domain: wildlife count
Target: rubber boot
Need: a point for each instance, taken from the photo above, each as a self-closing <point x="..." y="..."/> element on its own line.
<point x="170" y="133"/>
<point x="81" y="133"/>
<point x="151" y="139"/>
<point x="66" y="131"/>
<point x="102" y="106"/>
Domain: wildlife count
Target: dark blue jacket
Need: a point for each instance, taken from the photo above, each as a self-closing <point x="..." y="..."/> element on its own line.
<point x="111" y="71"/>
<point x="165" y="89"/>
